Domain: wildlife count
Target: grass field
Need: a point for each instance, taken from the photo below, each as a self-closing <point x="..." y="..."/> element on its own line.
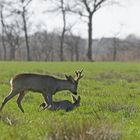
<point x="110" y="103"/>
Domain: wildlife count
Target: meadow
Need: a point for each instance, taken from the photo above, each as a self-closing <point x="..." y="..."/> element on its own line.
<point x="109" y="110"/>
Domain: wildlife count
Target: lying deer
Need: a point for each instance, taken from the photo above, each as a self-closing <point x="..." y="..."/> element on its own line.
<point x="64" y="104"/>
<point x="45" y="84"/>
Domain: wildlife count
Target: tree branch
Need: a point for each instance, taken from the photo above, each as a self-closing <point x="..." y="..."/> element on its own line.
<point x="87" y="6"/>
<point x="97" y="5"/>
<point x="28" y="2"/>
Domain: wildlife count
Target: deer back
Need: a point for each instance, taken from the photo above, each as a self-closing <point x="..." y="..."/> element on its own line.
<point x="65" y="105"/>
<point x="34" y="82"/>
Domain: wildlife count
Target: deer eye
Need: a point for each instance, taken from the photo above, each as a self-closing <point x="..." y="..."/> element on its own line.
<point x="76" y="83"/>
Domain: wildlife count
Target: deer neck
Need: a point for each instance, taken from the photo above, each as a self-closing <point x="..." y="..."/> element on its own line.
<point x="63" y="85"/>
<point x="76" y="104"/>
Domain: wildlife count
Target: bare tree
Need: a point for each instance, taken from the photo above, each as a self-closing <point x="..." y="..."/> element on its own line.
<point x="73" y="44"/>
<point x="61" y="7"/>
<point x="25" y="4"/>
<point x="3" y="30"/>
<point x="48" y="46"/>
<point x="46" y="42"/>
<point x="70" y="47"/>
<point x="12" y="35"/>
<point x="116" y="42"/>
<point x="63" y="30"/>
<point x="114" y="48"/>
<point x="76" y="45"/>
<point x="23" y="11"/>
<point x="43" y="46"/>
<point x="15" y="9"/>
<point x="87" y="8"/>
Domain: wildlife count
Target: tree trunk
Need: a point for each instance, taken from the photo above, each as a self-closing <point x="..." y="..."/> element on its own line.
<point x="12" y="52"/>
<point x="89" y="54"/>
<point x="115" y="49"/>
<point x="63" y="32"/>
<point x="3" y="31"/>
<point x="4" y="46"/>
<point x="77" y="49"/>
<point x="62" y="45"/>
<point x="26" y="35"/>
<point x="72" y="54"/>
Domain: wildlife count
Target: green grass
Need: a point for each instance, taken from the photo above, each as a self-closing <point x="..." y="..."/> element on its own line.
<point x="110" y="103"/>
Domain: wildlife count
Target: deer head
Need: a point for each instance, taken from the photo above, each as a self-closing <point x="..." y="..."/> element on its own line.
<point x="76" y="101"/>
<point x="74" y="81"/>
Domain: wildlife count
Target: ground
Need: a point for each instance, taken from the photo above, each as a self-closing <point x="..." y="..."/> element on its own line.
<point x="109" y="110"/>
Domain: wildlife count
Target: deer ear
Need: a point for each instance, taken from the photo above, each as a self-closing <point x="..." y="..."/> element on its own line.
<point x="79" y="98"/>
<point x="67" y="77"/>
<point x="73" y="98"/>
<point x="70" y="78"/>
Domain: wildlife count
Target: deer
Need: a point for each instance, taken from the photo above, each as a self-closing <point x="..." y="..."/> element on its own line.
<point x="64" y="104"/>
<point x="45" y="84"/>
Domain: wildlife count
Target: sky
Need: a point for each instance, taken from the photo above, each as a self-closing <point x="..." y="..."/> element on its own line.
<point x="113" y="20"/>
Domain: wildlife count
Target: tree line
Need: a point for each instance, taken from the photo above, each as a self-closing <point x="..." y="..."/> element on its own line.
<point x="18" y="43"/>
<point x="15" y="16"/>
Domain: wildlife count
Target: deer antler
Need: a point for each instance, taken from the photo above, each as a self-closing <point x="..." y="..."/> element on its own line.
<point x="78" y="75"/>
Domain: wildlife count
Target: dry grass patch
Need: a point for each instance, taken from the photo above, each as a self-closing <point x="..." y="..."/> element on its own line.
<point x="8" y="119"/>
<point x="86" y="131"/>
<point x="118" y="106"/>
<point x="113" y="75"/>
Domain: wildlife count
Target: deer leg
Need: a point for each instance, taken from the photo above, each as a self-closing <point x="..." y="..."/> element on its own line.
<point x="44" y="104"/>
<point x="6" y="99"/>
<point x="48" y="100"/>
<point x="19" y="99"/>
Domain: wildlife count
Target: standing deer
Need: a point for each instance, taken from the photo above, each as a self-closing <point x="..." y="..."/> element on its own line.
<point x="64" y="104"/>
<point x="45" y="84"/>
